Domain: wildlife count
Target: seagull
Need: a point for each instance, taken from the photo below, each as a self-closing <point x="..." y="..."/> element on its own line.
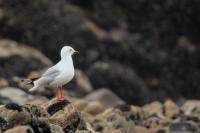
<point x="57" y="75"/>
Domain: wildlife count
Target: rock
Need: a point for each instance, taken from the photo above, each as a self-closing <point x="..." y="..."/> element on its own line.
<point x="56" y="129"/>
<point x="20" y="129"/>
<point x="38" y="100"/>
<point x="94" y="108"/>
<point x="170" y="109"/>
<point x="191" y="107"/>
<point x="12" y="115"/>
<point x="13" y="54"/>
<point x="154" y="107"/>
<point x="140" y="129"/>
<point x="64" y="114"/>
<point x="109" y="74"/>
<point x="183" y="127"/>
<point x="106" y="97"/>
<point x="80" y="104"/>
<point x="82" y="81"/>
<point x="3" y="83"/>
<point x="115" y="120"/>
<point x="15" y="95"/>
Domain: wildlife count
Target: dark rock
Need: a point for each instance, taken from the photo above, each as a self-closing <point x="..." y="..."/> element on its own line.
<point x="57" y="106"/>
<point x="13" y="106"/>
<point x="41" y="128"/>
<point x="104" y="74"/>
<point x="123" y="107"/>
<point x="4" y="124"/>
<point x="183" y="127"/>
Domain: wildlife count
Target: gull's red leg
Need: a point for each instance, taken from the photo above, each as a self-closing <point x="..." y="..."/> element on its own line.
<point x="57" y="92"/>
<point x="61" y="97"/>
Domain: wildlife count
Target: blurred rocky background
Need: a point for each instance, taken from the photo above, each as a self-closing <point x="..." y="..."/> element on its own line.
<point x="136" y="55"/>
<point x="141" y="50"/>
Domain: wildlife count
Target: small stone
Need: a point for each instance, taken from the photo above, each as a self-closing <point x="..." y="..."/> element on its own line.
<point x="154" y="107"/>
<point x="140" y="129"/>
<point x="94" y="108"/>
<point x="3" y="83"/>
<point x="179" y="127"/>
<point x="80" y="104"/>
<point x="106" y="97"/>
<point x="55" y="129"/>
<point x="117" y="131"/>
<point x="20" y="129"/>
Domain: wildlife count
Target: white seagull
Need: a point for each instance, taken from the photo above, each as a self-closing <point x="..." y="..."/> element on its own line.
<point x="59" y="74"/>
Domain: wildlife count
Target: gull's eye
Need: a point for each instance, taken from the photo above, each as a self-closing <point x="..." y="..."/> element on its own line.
<point x="70" y="50"/>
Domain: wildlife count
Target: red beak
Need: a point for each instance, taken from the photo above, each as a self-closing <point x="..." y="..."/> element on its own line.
<point x="76" y="52"/>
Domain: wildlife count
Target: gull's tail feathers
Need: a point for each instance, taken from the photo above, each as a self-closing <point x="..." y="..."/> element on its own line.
<point x="33" y="89"/>
<point x="30" y="82"/>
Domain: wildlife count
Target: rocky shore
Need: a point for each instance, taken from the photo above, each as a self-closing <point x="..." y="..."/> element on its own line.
<point x="85" y="116"/>
<point x="85" y="110"/>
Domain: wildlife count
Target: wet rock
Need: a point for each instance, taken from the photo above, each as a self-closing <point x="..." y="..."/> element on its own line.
<point x="15" y="95"/>
<point x="106" y="97"/>
<point x="20" y="129"/>
<point x="94" y="108"/>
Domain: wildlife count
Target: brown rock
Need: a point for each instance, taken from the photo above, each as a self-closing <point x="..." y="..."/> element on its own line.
<point x="117" y="131"/>
<point x="3" y="83"/>
<point x="140" y="129"/>
<point x="20" y="129"/>
<point x="154" y="107"/>
<point x="63" y="113"/>
<point x="9" y="48"/>
<point x="38" y="100"/>
<point x="170" y="109"/>
<point x="94" y="108"/>
<point x="80" y="104"/>
<point x="55" y="129"/>
<point x="106" y="97"/>
<point x="192" y="107"/>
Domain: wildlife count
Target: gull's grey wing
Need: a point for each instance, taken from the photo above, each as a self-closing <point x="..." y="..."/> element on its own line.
<point x="48" y="76"/>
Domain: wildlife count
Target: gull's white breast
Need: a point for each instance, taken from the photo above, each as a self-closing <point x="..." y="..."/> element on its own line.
<point x="66" y="74"/>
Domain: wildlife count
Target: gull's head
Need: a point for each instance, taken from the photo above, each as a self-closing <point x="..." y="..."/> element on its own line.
<point x="67" y="51"/>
